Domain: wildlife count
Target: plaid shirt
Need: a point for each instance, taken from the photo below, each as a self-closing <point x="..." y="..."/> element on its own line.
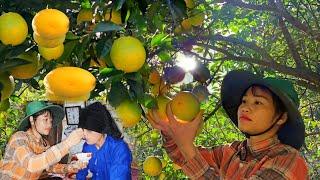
<point x="268" y="159"/>
<point x="26" y="157"/>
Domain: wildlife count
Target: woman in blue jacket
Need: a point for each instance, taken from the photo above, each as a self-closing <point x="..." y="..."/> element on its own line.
<point x="111" y="156"/>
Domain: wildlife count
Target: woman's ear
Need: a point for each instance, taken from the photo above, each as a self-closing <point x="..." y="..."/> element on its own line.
<point x="283" y="119"/>
<point x="31" y="121"/>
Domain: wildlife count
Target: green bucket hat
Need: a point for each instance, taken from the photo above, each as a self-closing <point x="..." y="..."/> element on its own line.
<point x="36" y="106"/>
<point x="237" y="82"/>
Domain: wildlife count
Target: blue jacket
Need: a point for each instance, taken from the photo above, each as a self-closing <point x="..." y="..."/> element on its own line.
<point x="111" y="162"/>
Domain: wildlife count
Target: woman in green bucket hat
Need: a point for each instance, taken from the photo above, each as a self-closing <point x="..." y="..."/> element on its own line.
<point x="28" y="153"/>
<point x="266" y="111"/>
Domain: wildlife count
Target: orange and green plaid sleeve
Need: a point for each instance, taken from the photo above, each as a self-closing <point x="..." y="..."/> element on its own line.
<point x="36" y="162"/>
<point x="288" y="166"/>
<point x="205" y="163"/>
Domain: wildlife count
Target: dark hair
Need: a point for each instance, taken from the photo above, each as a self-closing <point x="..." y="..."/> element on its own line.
<point x="96" y="117"/>
<point x="278" y="104"/>
<point x="36" y="115"/>
<point x="111" y="127"/>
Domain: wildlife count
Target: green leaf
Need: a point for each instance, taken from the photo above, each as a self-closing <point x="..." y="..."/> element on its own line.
<point x="103" y="47"/>
<point x="180" y="8"/>
<point x="71" y="36"/>
<point x="164" y="56"/>
<point x="34" y="84"/>
<point x="158" y="39"/>
<point x="107" y="27"/>
<point x="85" y="4"/>
<point x="68" y="48"/>
<point x="136" y="87"/>
<point x="117" y="94"/>
<point x="113" y="79"/>
<point x="119" y="3"/>
<point x="148" y="101"/>
<point x="17" y="50"/>
<point x="134" y="76"/>
<point x="108" y="72"/>
<point x="4" y="66"/>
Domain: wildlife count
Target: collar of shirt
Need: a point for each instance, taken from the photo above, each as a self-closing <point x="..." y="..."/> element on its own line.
<point x="35" y="143"/>
<point x="261" y="146"/>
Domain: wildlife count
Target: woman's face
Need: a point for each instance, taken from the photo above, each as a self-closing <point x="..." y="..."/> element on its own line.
<point x="92" y="137"/>
<point x="43" y="123"/>
<point x="257" y="112"/>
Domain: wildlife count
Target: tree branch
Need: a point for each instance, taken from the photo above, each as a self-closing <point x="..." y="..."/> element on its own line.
<point x="295" y="22"/>
<point x="312" y="133"/>
<point x="214" y="111"/>
<point x="291" y="45"/>
<point x="250" y="6"/>
<point x="238" y="41"/>
<point x="277" y="7"/>
<point x="312" y="78"/>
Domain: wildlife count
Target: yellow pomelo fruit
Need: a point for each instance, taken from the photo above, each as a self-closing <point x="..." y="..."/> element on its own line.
<point x="13" y="29"/>
<point x="71" y="82"/>
<point x="48" y="43"/>
<point x="50" y="23"/>
<point x="7" y="84"/>
<point x="162" y="102"/>
<point x="129" y="113"/>
<point x="162" y="176"/>
<point x="115" y="17"/>
<point x="189" y="3"/>
<point x="52" y="97"/>
<point x="154" y="77"/>
<point x="152" y="166"/>
<point x="101" y="62"/>
<point x="27" y="71"/>
<point x="4" y="105"/>
<point x="186" y="25"/>
<point x="128" y="54"/>
<point x="51" y="53"/>
<point x="185" y="106"/>
<point x="196" y="18"/>
<point x="84" y="15"/>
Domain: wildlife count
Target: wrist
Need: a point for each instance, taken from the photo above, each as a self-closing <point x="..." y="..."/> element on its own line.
<point x="68" y="143"/>
<point x="188" y="151"/>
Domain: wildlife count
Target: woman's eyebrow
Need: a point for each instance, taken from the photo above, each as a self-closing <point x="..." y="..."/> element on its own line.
<point x="261" y="96"/>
